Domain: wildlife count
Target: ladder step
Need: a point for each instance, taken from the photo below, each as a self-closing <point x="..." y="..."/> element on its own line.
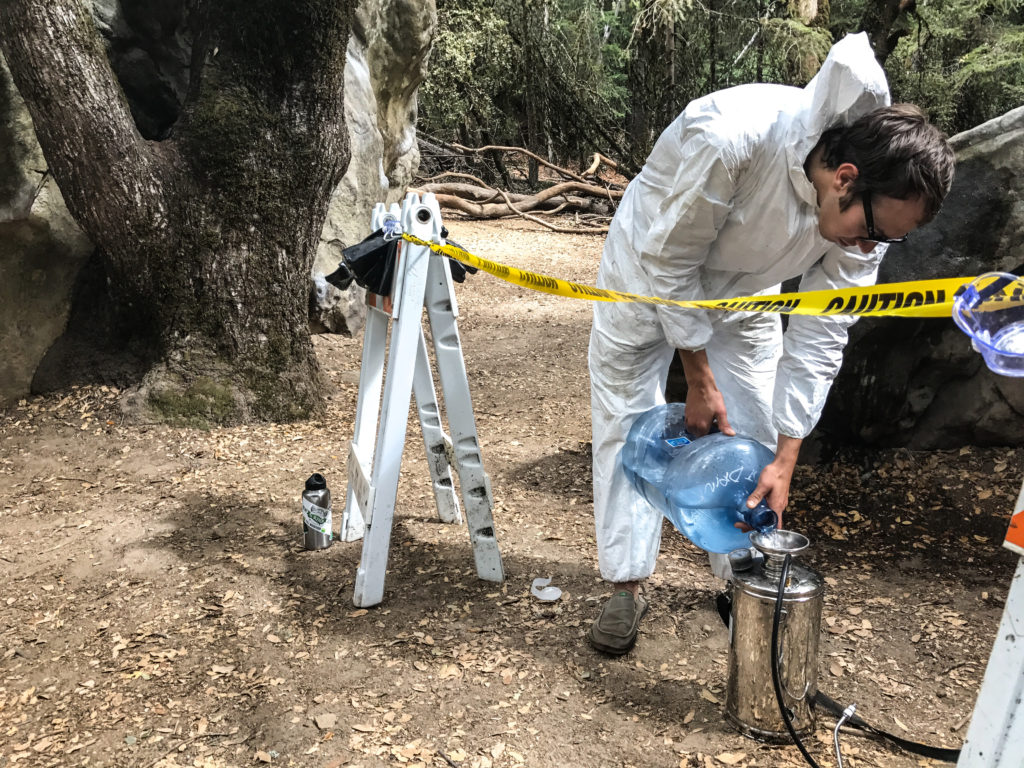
<point x="359" y="482"/>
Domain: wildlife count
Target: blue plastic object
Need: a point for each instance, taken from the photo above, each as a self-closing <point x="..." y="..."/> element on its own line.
<point x="990" y="310"/>
<point x="700" y="484"/>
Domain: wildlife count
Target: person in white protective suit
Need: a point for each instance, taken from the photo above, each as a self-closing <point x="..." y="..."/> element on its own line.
<point x="748" y="187"/>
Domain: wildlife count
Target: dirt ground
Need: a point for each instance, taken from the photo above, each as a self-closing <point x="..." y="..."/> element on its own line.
<point x="158" y="609"/>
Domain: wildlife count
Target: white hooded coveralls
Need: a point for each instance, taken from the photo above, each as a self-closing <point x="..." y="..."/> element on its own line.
<point x="723" y="208"/>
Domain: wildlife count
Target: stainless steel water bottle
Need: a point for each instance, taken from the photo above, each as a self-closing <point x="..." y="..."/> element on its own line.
<point x="751" y="703"/>
<point x="316" y="513"/>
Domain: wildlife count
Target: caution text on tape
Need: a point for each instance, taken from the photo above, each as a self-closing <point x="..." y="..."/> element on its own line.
<point x="919" y="298"/>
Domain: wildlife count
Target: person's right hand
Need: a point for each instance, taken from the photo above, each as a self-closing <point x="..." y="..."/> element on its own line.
<point x="705" y="405"/>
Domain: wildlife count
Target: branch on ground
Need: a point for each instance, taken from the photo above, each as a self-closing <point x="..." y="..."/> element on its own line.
<point x="588" y="176"/>
<point x="479" y="201"/>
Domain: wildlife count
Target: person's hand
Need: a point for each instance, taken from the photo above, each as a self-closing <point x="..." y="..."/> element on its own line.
<point x="705" y="405"/>
<point x="773" y="483"/>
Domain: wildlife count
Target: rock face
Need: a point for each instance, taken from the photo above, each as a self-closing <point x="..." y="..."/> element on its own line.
<point x="918" y="383"/>
<point x="149" y="48"/>
<point x="387" y="55"/>
<point x="42" y="251"/>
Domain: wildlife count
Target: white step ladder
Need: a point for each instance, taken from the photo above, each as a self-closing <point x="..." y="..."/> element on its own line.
<point x="422" y="280"/>
<point x="995" y="737"/>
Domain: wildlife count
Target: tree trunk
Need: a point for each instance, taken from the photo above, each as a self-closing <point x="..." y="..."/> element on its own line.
<point x="208" y="237"/>
<point x="879" y="20"/>
<point x="712" y="46"/>
<point x="804" y="10"/>
<point x="671" y="105"/>
<point x="639" y="118"/>
<point x="762" y="19"/>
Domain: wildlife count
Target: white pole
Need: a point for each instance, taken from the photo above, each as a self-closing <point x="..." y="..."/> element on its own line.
<point x="995" y="737"/>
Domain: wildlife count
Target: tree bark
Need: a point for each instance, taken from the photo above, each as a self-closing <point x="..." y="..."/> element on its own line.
<point x="713" y="16"/>
<point x="879" y="21"/>
<point x="639" y="117"/>
<point x="208" y="237"/>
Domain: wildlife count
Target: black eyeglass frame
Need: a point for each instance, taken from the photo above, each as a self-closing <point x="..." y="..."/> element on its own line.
<point x="869" y="220"/>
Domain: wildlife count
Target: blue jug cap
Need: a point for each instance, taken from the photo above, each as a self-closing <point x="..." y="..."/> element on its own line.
<point x="762" y="517"/>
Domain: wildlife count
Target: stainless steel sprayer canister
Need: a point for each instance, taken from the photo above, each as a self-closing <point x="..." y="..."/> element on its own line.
<point x="751" y="702"/>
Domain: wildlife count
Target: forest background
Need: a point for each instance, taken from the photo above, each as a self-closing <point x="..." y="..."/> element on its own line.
<point x="566" y="78"/>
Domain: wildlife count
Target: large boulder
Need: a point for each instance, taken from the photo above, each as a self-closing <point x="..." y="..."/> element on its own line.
<point x="387" y="57"/>
<point x="42" y="252"/>
<point x="918" y="383"/>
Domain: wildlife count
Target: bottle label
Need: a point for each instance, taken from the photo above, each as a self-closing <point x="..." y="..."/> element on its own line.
<point x="316" y="518"/>
<point x="675" y="442"/>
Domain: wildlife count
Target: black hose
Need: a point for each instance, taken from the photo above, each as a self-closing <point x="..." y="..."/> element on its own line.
<point x="776" y="675"/>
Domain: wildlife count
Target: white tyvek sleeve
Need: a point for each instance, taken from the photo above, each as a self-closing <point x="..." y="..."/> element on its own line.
<point x="686" y="224"/>
<point x="813" y="346"/>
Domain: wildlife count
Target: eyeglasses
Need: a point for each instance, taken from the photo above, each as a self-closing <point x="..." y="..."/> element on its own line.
<point x="869" y="220"/>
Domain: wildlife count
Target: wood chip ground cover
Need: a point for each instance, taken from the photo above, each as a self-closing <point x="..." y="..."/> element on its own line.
<point x="158" y="609"/>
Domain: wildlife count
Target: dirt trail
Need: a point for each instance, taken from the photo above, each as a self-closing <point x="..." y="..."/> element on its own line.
<point x="158" y="609"/>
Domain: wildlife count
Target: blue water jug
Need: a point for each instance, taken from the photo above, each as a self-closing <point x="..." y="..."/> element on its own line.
<point x="700" y="484"/>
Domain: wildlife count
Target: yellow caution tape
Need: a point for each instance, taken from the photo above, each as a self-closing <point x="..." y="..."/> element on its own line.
<point x="919" y="298"/>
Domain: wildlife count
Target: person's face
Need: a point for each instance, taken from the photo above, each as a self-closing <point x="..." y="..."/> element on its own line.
<point x="868" y="218"/>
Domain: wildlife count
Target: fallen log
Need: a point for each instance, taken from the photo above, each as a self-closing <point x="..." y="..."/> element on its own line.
<point x="471" y="193"/>
<point x="452" y="149"/>
<point x="494" y="211"/>
<point x="469" y="204"/>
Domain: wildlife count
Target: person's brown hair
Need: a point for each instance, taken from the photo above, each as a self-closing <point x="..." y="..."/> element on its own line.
<point x="898" y="153"/>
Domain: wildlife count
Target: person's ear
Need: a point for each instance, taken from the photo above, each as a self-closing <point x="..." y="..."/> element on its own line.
<point x="846" y="174"/>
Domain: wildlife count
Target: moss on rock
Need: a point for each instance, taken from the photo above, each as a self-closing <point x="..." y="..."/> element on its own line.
<point x="199" y="404"/>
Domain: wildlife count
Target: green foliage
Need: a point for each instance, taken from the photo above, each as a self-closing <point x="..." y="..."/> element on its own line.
<point x="962" y="61"/>
<point x="565" y="78"/>
<point x="469" y="67"/>
<point x="795" y="50"/>
<point x="592" y="60"/>
<point x="654" y="15"/>
<point x="546" y="75"/>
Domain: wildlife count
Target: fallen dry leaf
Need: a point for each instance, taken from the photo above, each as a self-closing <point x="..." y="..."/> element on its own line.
<point x="325" y="722"/>
<point x="731" y="758"/>
<point x="709" y="696"/>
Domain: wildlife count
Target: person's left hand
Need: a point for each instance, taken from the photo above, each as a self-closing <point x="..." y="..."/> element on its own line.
<point x="773" y="484"/>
